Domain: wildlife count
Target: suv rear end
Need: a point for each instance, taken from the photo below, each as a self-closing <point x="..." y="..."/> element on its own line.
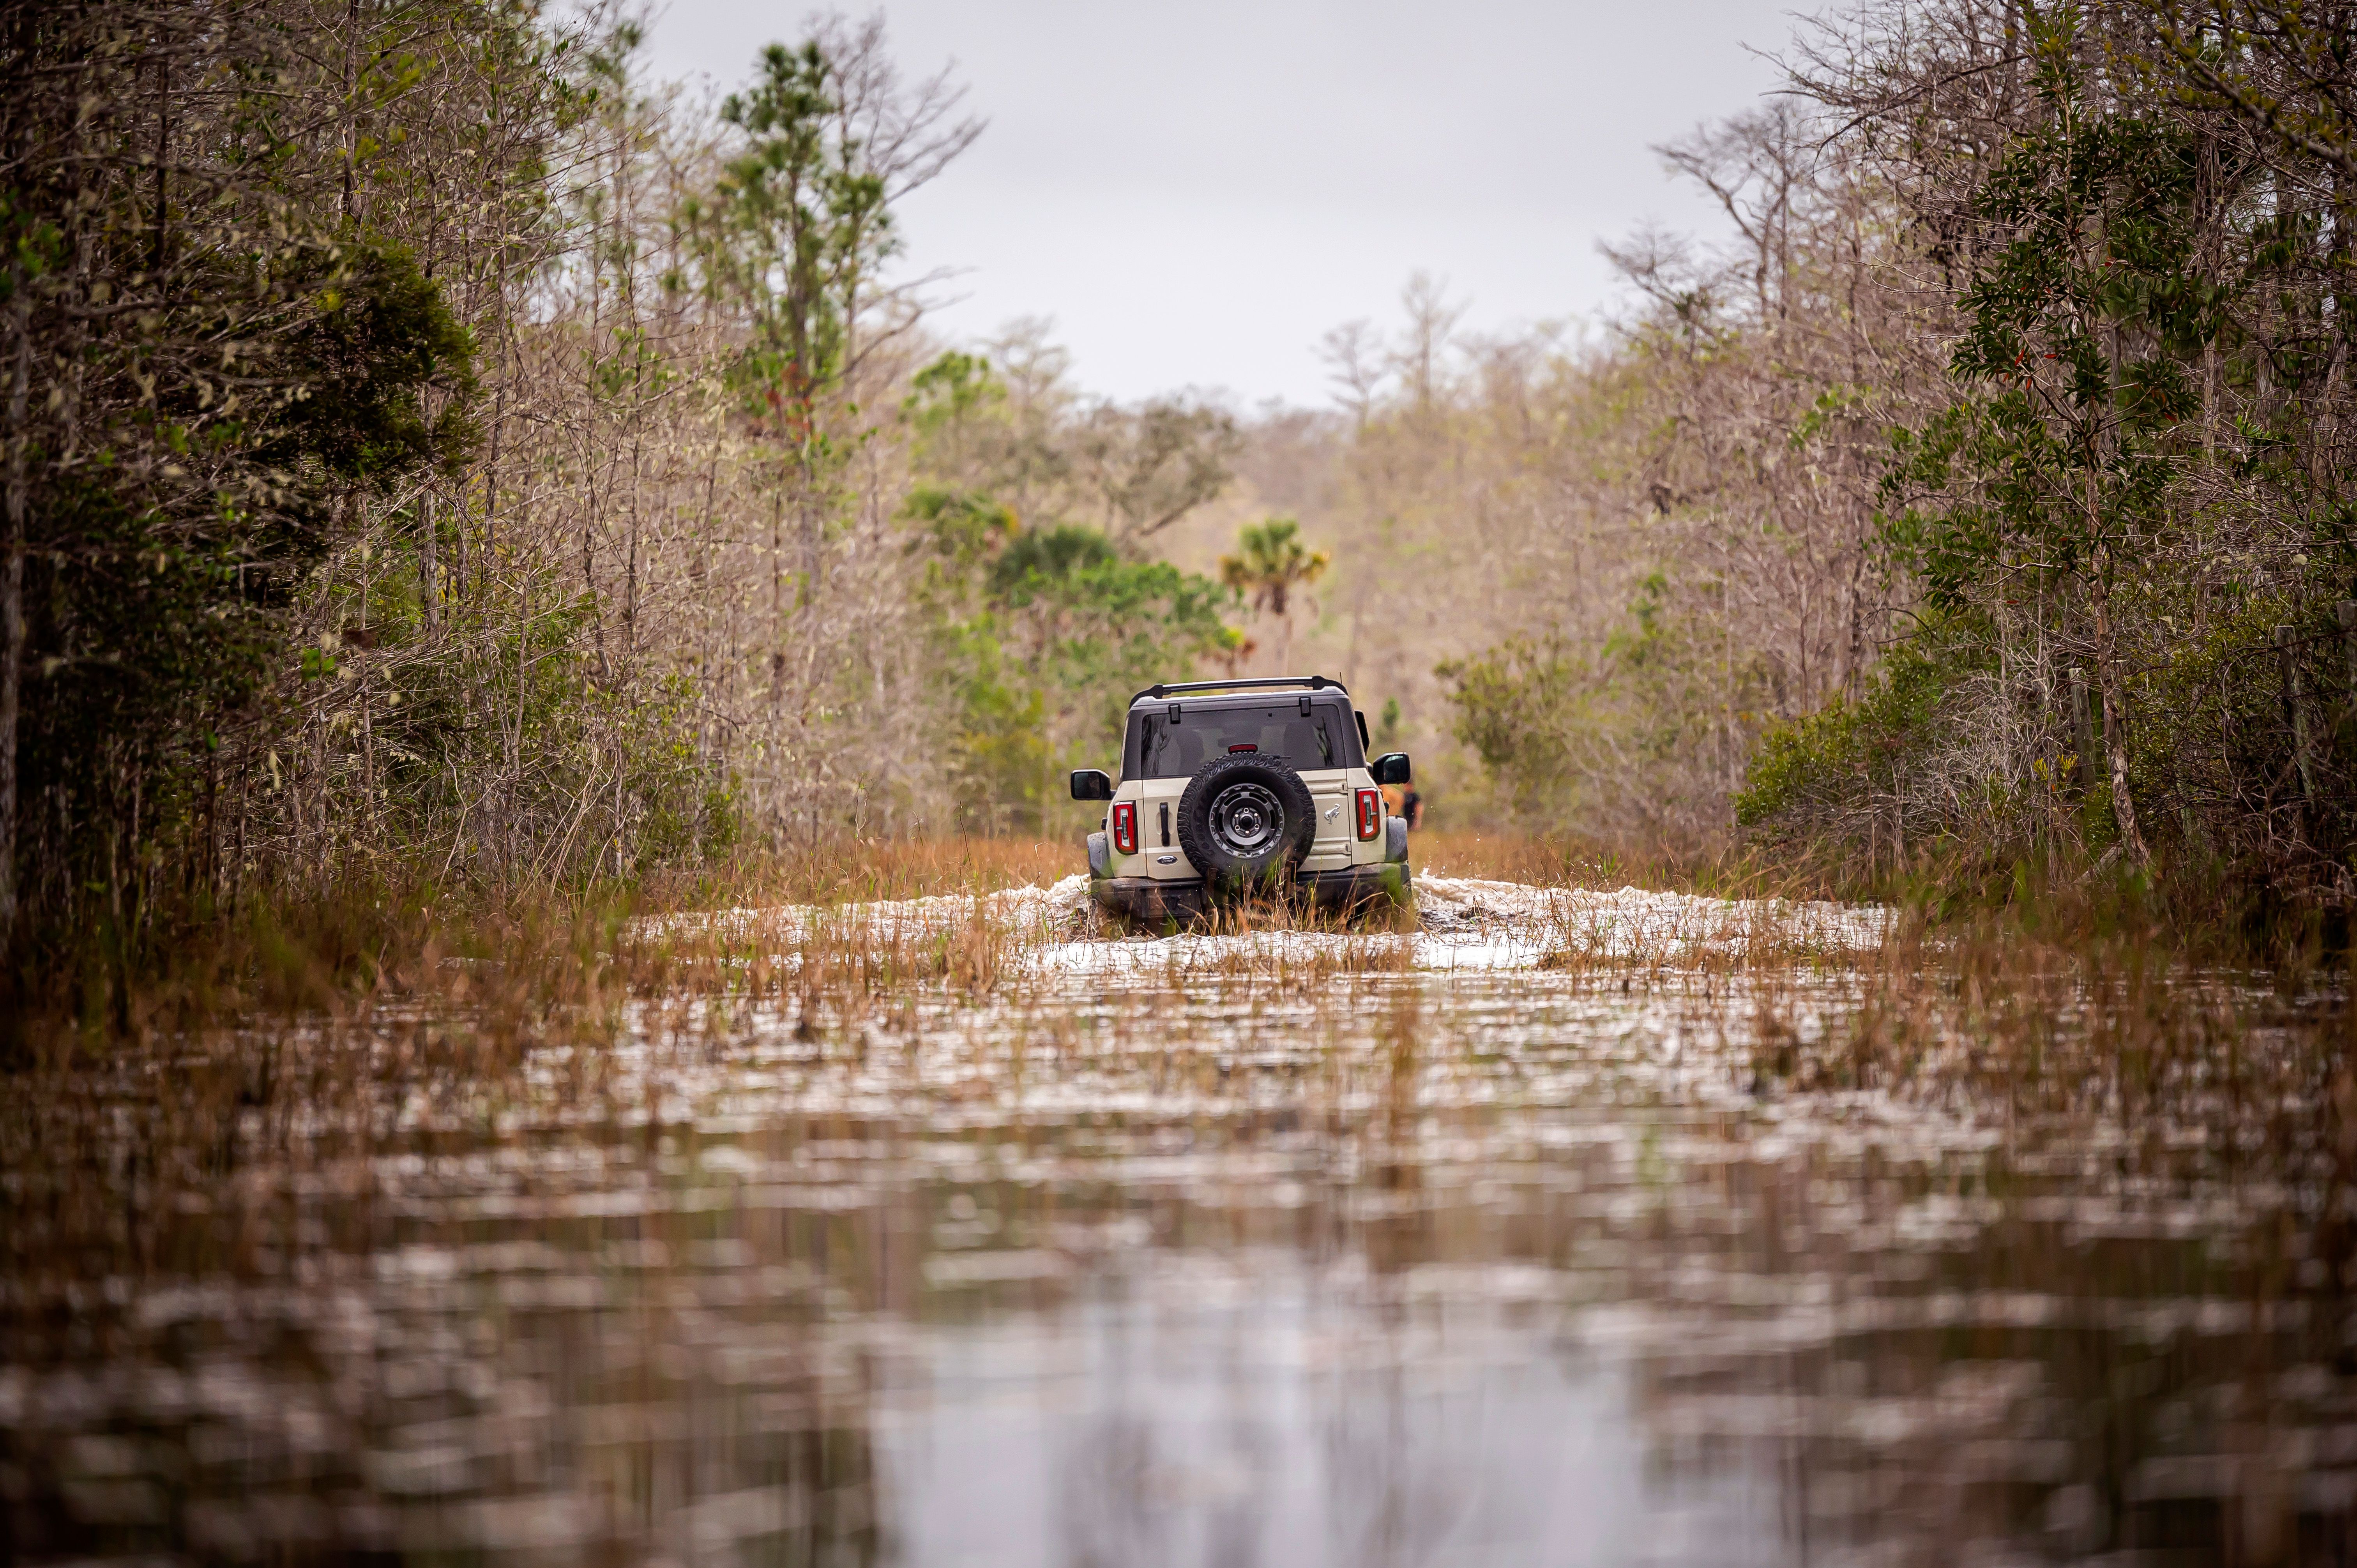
<point x="1139" y="864"/>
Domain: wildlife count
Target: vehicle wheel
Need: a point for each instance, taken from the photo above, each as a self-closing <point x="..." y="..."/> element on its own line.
<point x="1246" y="820"/>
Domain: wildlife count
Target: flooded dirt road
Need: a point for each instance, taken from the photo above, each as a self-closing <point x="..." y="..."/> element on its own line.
<point x="1549" y="1235"/>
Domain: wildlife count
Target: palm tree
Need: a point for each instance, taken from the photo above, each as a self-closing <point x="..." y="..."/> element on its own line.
<point x="1269" y="560"/>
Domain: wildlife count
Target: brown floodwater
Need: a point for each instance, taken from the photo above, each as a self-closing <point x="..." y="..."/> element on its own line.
<point x="1395" y="1264"/>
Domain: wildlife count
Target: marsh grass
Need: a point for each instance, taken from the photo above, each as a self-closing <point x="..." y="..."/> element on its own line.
<point x="1704" y="936"/>
<point x="502" y="953"/>
<point x="1299" y="969"/>
<point x="1549" y="860"/>
<point x="588" y="1011"/>
<point x="864" y="871"/>
<point x="2082" y="993"/>
<point x="625" y="1046"/>
<point x="2093" y="993"/>
<point x="2144" y="1045"/>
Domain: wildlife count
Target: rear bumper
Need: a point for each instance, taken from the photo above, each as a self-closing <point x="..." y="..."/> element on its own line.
<point x="1147" y="898"/>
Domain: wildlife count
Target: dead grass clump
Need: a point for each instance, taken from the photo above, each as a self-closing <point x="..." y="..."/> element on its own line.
<point x="1550" y="860"/>
<point x="503" y="966"/>
<point x="1297" y="967"/>
<point x="1677" y="936"/>
<point x="1255" y="915"/>
<point x="2030" y="1020"/>
<point x="864" y="870"/>
<point x="875" y="952"/>
<point x="503" y="954"/>
<point x="834" y="965"/>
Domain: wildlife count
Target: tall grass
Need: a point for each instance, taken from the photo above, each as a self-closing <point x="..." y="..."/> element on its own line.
<point x="2076" y="998"/>
<point x="1564" y="860"/>
<point x="864" y="871"/>
<point x="507" y="955"/>
<point x="509" y="948"/>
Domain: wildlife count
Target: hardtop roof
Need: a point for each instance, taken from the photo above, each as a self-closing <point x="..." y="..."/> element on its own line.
<point x="1245" y="690"/>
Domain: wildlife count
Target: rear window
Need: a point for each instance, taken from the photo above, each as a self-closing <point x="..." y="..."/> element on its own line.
<point x="1160" y="749"/>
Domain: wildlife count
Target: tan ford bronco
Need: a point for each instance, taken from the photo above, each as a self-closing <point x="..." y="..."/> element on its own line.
<point x="1232" y="786"/>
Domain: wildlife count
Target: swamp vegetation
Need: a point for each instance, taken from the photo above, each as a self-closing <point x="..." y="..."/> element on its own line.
<point x="439" y="457"/>
<point x="544" y="1013"/>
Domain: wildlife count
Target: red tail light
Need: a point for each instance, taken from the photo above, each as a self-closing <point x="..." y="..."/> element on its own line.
<point x="1124" y="827"/>
<point x="1371" y="813"/>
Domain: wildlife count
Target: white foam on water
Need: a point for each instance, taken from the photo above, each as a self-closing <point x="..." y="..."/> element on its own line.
<point x="1466" y="923"/>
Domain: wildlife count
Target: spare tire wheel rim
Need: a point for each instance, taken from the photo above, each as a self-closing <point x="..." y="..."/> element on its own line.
<point x="1246" y="820"/>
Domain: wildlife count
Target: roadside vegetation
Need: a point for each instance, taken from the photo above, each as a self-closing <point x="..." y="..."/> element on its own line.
<point x="445" y="468"/>
<point x="1982" y="507"/>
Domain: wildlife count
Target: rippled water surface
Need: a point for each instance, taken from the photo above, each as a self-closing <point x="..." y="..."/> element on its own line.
<point x="1408" y="1261"/>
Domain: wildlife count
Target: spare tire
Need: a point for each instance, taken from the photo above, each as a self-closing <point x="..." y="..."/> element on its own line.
<point x="1246" y="819"/>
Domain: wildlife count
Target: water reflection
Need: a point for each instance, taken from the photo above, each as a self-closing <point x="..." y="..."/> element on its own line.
<point x="1474" y="1268"/>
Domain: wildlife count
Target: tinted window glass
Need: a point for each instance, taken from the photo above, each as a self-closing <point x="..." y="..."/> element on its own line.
<point x="1160" y="749"/>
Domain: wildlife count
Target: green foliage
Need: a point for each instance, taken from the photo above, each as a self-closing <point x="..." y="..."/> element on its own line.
<point x="1041" y="629"/>
<point x="159" y="595"/>
<point x="965" y="529"/>
<point x="1046" y="562"/>
<point x="798" y="221"/>
<point x="966" y="432"/>
<point x="1043" y="634"/>
<point x="1563" y="727"/>
<point x="623" y="769"/>
<point x="1808" y="767"/>
<point x="378" y="337"/>
<point x="2052" y="457"/>
<point x="1516" y="704"/>
<point x="2091" y="511"/>
<point x="947" y="400"/>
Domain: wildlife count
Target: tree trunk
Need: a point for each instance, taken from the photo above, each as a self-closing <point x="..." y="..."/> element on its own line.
<point x="12" y="602"/>
<point x="491" y="559"/>
<point x="366" y="664"/>
<point x="429" y="589"/>
<point x="596" y="605"/>
<point x="2107" y="680"/>
<point x="778" y="598"/>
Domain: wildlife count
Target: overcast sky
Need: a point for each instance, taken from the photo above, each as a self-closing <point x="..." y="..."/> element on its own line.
<point x="1197" y="192"/>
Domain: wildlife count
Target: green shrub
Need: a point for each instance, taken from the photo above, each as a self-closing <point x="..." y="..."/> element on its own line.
<point x="1807" y="769"/>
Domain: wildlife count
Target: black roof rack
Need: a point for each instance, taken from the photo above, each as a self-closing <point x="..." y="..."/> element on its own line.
<point x="1315" y="683"/>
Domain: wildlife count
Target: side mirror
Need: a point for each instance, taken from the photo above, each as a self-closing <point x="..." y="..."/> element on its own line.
<point x="1089" y="784"/>
<point x="1391" y="767"/>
